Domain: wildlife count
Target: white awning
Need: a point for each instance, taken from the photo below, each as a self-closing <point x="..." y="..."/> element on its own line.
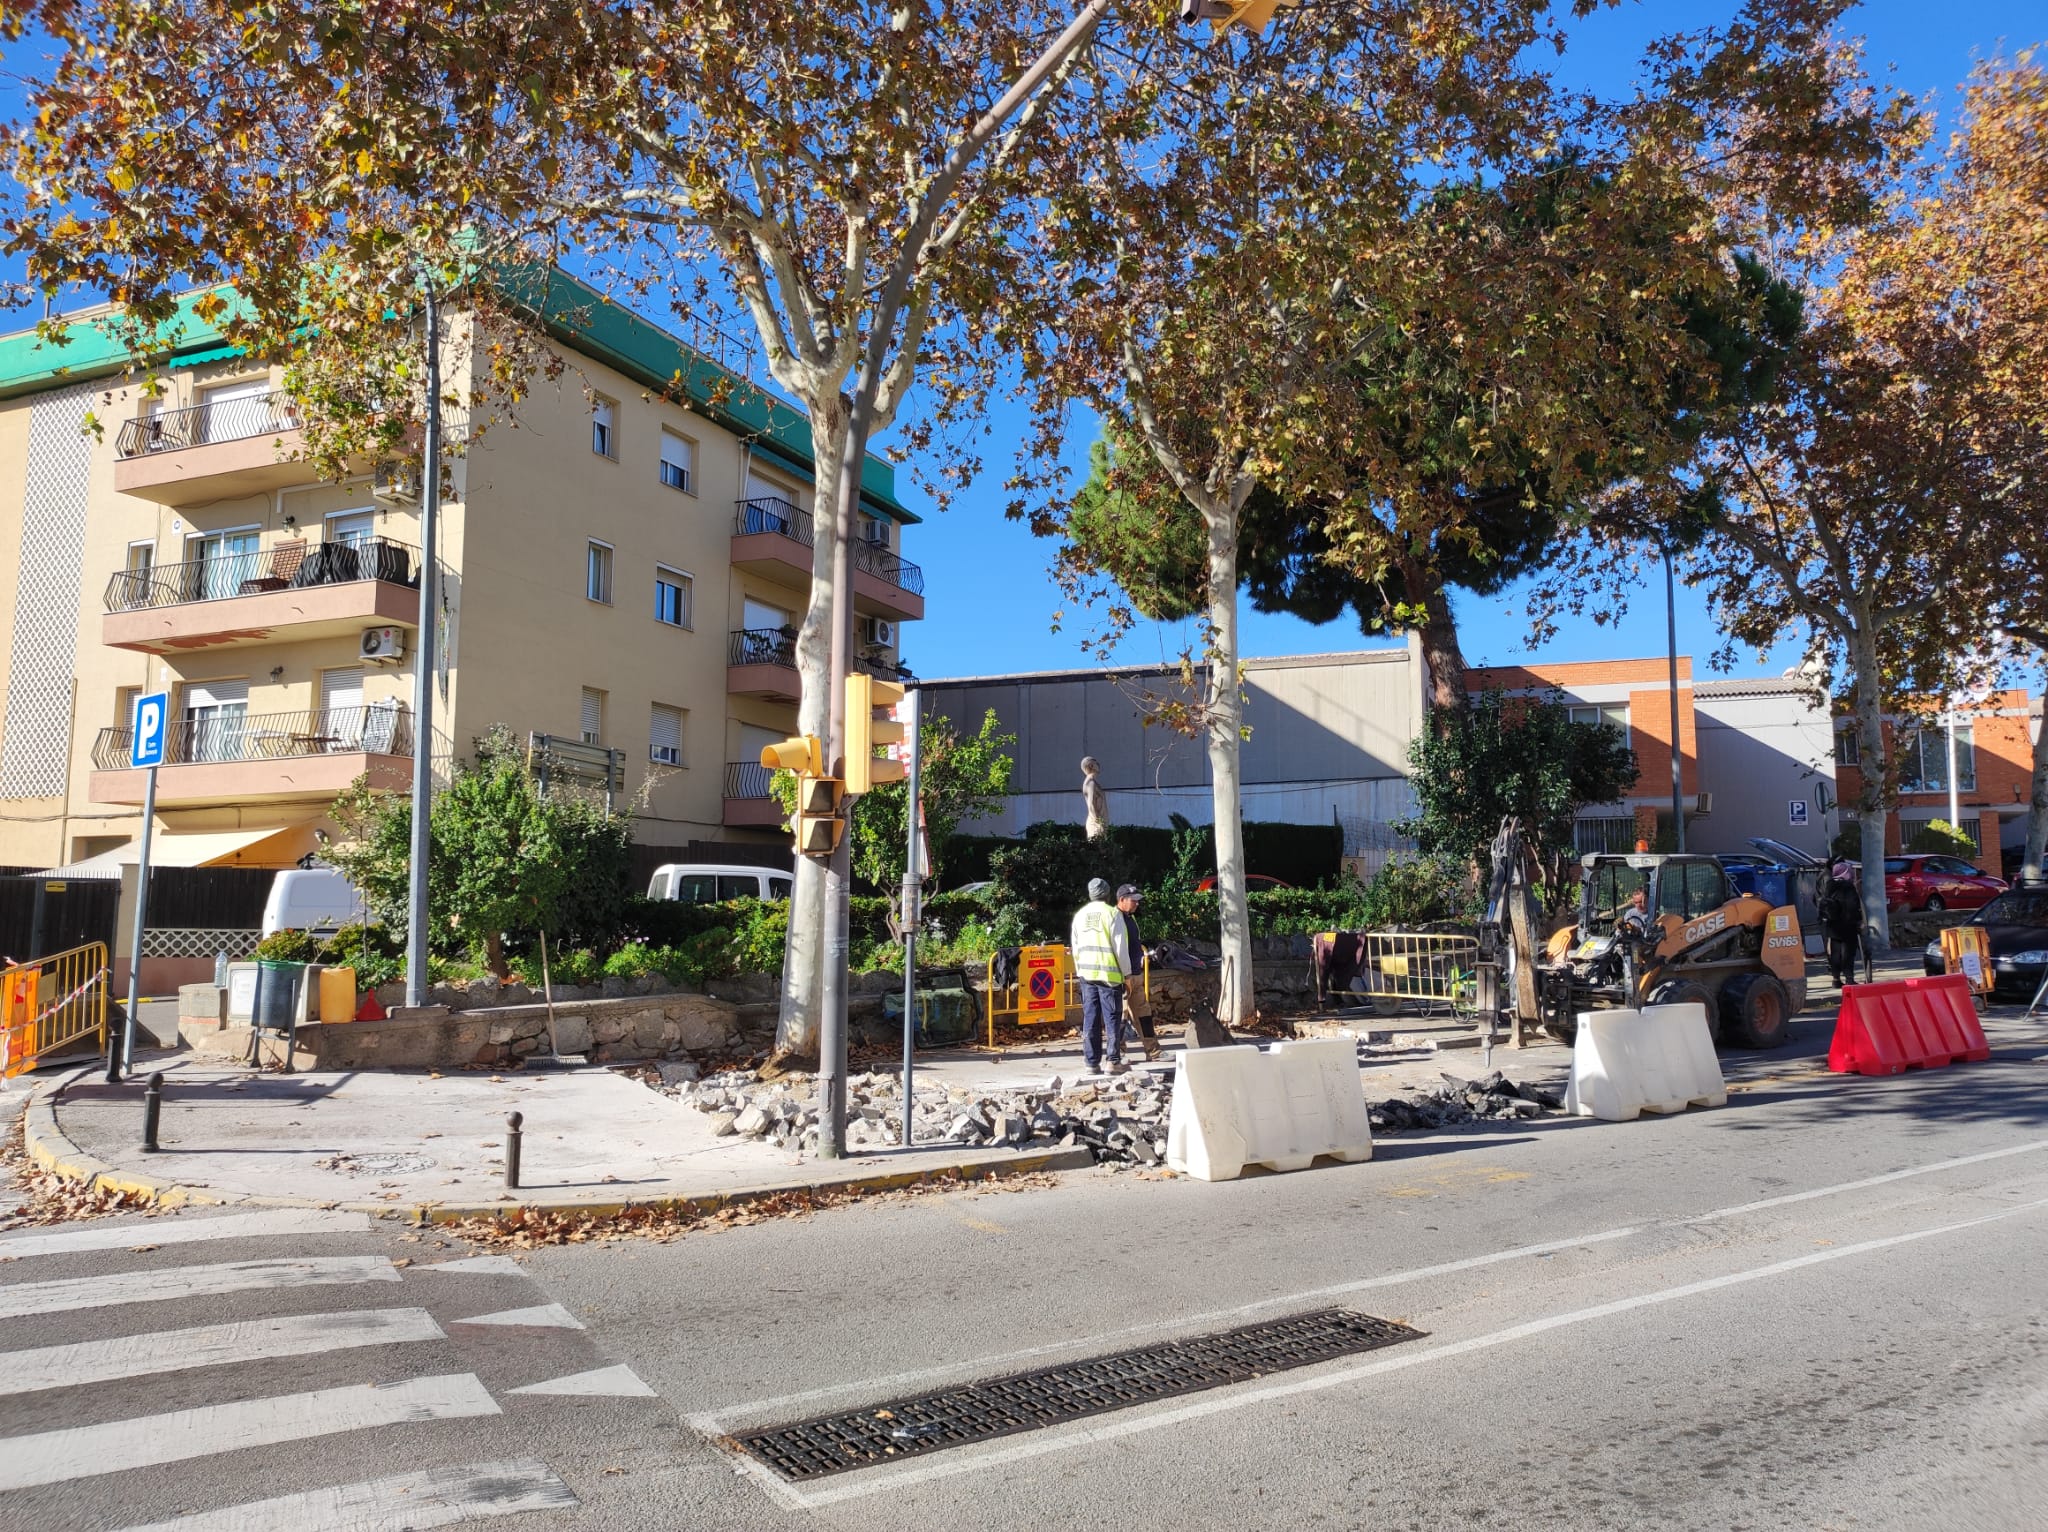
<point x="226" y="848"/>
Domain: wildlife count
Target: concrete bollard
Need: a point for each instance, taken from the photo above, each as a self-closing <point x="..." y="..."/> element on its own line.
<point x="152" y="1109"/>
<point x="513" y="1123"/>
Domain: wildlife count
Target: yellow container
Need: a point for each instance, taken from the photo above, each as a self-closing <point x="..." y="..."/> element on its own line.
<point x="337" y="994"/>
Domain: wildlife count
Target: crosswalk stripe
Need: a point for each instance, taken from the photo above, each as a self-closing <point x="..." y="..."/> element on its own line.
<point x="185" y="1231"/>
<point x="438" y="1497"/>
<point x="79" y="1452"/>
<point x="22" y="1298"/>
<point x="550" y="1316"/>
<point x="248" y="1340"/>
<point x="619" y="1382"/>
<point x="479" y="1266"/>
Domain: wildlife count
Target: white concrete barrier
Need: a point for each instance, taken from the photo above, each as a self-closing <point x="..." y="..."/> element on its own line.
<point x="1280" y="1107"/>
<point x="1658" y="1059"/>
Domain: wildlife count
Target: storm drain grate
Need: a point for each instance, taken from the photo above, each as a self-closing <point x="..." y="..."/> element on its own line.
<point x="1027" y="1401"/>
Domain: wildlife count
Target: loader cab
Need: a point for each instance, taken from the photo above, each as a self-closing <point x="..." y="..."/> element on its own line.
<point x="1681" y="887"/>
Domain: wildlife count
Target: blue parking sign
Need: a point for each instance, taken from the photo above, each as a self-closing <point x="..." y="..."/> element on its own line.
<point x="146" y="741"/>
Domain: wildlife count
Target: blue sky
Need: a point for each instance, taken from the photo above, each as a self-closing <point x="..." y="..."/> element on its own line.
<point x="990" y="604"/>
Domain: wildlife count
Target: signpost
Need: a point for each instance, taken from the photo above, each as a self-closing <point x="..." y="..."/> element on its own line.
<point x="914" y="867"/>
<point x="1795" y="813"/>
<point x="148" y="728"/>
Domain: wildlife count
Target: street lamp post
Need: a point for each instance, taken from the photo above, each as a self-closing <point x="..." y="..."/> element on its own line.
<point x="423" y="662"/>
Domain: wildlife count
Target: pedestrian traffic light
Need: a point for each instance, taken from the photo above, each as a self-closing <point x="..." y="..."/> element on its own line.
<point x="819" y="820"/>
<point x="801" y="754"/>
<point x="864" y="731"/>
<point x="1221" y="14"/>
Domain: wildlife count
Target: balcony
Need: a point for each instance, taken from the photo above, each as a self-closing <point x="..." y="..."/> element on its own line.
<point x="761" y="662"/>
<point x="239" y="446"/>
<point x="771" y="537"/>
<point x="291" y="590"/>
<point x="233" y="758"/>
<point x="748" y="802"/>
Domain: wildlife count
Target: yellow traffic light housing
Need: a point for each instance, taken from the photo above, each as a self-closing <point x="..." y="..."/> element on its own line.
<point x="818" y="821"/>
<point x="1223" y="14"/>
<point x="864" y="731"/>
<point x="801" y="754"/>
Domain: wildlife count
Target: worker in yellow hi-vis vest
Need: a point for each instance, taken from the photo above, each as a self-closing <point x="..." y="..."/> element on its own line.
<point x="1101" y="951"/>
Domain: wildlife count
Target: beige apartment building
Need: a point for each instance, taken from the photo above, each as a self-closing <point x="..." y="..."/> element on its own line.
<point x="618" y="570"/>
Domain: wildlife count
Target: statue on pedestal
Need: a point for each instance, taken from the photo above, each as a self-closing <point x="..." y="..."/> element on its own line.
<point x="1094" y="797"/>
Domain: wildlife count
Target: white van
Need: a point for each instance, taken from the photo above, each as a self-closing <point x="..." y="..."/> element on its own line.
<point x="317" y="900"/>
<point x="714" y="883"/>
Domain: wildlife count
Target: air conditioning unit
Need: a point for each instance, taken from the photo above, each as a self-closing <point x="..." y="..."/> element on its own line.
<point x="881" y="631"/>
<point x="1703" y="804"/>
<point x="383" y="646"/>
<point x="396" y="483"/>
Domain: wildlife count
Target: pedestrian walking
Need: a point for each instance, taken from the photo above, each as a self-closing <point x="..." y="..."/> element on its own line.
<point x="1137" y="1004"/>
<point x="1841" y="917"/>
<point x="1101" y="951"/>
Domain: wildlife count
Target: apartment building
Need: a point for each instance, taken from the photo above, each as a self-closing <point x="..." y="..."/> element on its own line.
<point x="620" y="570"/>
<point x="1994" y="761"/>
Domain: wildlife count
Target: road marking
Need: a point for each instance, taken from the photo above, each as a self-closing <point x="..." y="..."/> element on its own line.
<point x="165" y="1283"/>
<point x="248" y="1340"/>
<point x="619" y="1382"/>
<point x="81" y="1452"/>
<point x="438" y="1497"/>
<point x="165" y="1231"/>
<point x="550" y="1316"/>
<point x="479" y="1266"/>
<point x="714" y="1422"/>
<point x="1228" y="1400"/>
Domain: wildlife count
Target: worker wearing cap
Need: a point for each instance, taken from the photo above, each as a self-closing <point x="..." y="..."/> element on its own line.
<point x="1101" y="951"/>
<point x="1137" y="1005"/>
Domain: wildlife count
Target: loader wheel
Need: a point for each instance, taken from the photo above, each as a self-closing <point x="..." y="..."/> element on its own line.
<point x="1690" y="992"/>
<point x="1755" y="1011"/>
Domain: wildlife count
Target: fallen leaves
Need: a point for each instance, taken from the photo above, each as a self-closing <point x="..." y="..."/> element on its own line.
<point x="41" y="1198"/>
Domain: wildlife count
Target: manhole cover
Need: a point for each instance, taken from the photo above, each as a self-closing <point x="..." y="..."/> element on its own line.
<point x="377" y="1164"/>
<point x="1027" y="1401"/>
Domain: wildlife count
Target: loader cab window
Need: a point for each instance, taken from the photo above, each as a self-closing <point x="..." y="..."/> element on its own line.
<point x="1690" y="889"/>
<point x="1609" y="886"/>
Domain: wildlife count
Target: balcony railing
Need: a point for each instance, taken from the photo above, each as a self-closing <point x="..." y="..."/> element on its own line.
<point x="762" y="646"/>
<point x="226" y="421"/>
<point x="785" y="520"/>
<point x="747" y="779"/>
<point x="217" y="738"/>
<point x="289" y="566"/>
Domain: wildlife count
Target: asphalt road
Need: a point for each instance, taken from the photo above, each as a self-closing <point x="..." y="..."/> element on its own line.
<point x="1818" y="1307"/>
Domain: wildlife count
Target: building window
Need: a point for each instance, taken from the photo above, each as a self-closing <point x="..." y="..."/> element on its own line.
<point x="141" y="559"/>
<point x="1923" y="760"/>
<point x="1613" y="833"/>
<point x="604" y="428"/>
<point x="597" y="572"/>
<point x="678" y="457"/>
<point x="1972" y="826"/>
<point x="593" y="716"/>
<point x="665" y="735"/>
<point x="1848" y="748"/>
<point x="1613" y="714"/>
<point x="672" y="596"/>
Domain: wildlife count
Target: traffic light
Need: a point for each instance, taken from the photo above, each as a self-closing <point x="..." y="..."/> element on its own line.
<point x="801" y="754"/>
<point x="1222" y="14"/>
<point x="819" y="821"/>
<point x="864" y="731"/>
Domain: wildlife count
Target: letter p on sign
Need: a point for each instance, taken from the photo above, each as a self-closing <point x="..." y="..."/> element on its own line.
<point x="146" y="742"/>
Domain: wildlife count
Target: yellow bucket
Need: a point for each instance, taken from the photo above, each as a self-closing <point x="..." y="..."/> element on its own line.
<point x="337" y="994"/>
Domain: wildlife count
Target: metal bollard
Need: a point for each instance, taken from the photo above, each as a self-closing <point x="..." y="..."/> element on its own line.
<point x="152" y="1108"/>
<point x="512" y="1123"/>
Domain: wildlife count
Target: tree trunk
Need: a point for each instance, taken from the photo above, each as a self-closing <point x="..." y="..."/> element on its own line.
<point x="796" y="1030"/>
<point x="494" y="957"/>
<point x="1224" y="716"/>
<point x="1438" y="633"/>
<point x="2037" y="810"/>
<point x="1871" y="802"/>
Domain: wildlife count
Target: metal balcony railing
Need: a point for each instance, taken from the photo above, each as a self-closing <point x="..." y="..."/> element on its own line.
<point x="747" y="779"/>
<point x="220" y="736"/>
<point x="286" y="566"/>
<point x="762" y="646"/>
<point x="785" y="520"/>
<point x="200" y="424"/>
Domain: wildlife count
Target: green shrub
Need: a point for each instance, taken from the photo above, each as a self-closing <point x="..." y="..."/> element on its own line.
<point x="1414" y="891"/>
<point x="1938" y="837"/>
<point x="373" y="952"/>
<point x="289" y="946"/>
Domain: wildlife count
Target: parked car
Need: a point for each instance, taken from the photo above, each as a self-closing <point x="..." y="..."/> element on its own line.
<point x="1254" y="883"/>
<point x="714" y="883"/>
<point x="316" y="900"/>
<point x="1938" y="883"/>
<point x="2016" y="926"/>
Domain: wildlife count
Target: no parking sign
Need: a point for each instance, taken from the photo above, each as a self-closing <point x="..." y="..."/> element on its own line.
<point x="1043" y="968"/>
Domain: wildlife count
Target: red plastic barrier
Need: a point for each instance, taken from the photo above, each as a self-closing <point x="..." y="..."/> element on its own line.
<point x="1911" y="1023"/>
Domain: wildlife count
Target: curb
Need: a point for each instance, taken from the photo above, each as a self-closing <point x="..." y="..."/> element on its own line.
<point x="51" y="1149"/>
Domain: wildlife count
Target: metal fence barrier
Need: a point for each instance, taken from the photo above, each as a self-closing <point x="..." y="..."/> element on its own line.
<point x="1391" y="969"/>
<point x="1046" y="992"/>
<point x="50" y="1003"/>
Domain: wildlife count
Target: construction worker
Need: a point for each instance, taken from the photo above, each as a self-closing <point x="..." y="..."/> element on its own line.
<point x="1101" y="950"/>
<point x="1137" y="1005"/>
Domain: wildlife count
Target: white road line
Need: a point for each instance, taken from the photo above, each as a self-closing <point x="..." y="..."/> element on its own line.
<point x="248" y="1340"/>
<point x="80" y="1452"/>
<point x="164" y="1283"/>
<point x="185" y="1231"/>
<point x="439" y="1497"/>
<point x="717" y="1422"/>
<point x="548" y="1316"/>
<point x="1234" y="1400"/>
<point x="619" y="1382"/>
<point x="479" y="1266"/>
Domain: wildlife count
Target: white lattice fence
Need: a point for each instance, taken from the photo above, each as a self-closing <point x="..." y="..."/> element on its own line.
<point x="199" y="942"/>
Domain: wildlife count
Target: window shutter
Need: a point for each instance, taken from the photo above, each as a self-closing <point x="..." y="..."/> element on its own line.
<point x="665" y="735"/>
<point x="675" y="461"/>
<point x="593" y="716"/>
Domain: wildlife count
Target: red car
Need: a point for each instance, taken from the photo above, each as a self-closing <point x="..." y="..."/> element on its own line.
<point x="1254" y="883"/>
<point x="1938" y="883"/>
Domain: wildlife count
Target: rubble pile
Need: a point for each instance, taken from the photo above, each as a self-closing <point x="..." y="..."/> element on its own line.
<point x="1461" y="1101"/>
<point x="1121" y="1120"/>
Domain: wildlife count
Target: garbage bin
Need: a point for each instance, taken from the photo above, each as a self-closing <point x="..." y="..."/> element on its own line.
<point x="277" y="994"/>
